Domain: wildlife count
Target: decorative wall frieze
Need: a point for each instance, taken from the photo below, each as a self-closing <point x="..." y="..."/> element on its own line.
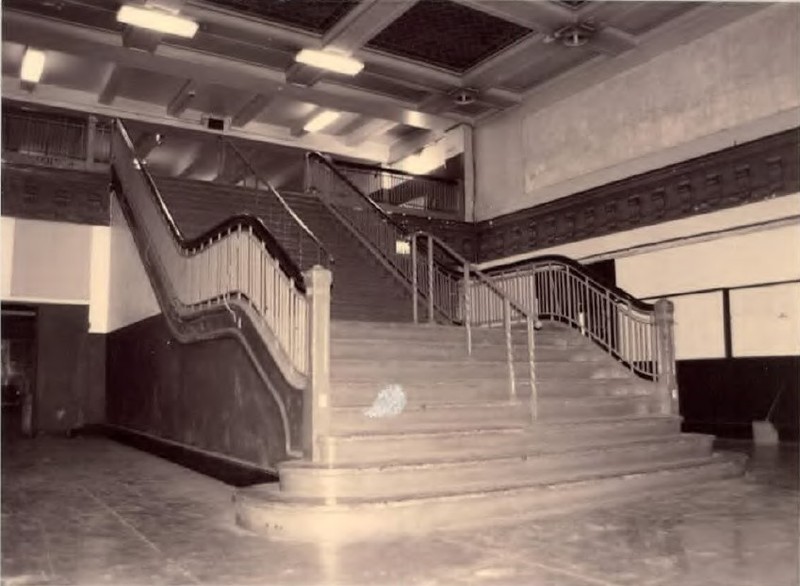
<point x="54" y="194"/>
<point x="746" y="173"/>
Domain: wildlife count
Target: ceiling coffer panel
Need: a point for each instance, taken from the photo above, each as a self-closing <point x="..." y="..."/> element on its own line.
<point x="313" y="15"/>
<point x="447" y="35"/>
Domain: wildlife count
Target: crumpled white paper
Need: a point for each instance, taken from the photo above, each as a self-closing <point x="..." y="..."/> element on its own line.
<point x="391" y="401"/>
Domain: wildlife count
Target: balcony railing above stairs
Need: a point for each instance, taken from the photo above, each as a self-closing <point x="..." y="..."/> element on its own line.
<point x="446" y="287"/>
<point x="405" y="191"/>
<point x="237" y="268"/>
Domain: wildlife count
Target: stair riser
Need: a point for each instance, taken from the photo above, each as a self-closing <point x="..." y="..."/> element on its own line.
<point x="383" y="350"/>
<point x="344" y="394"/>
<point x="350" y="421"/>
<point x="415" y="448"/>
<point x="389" y="372"/>
<point x="386" y="520"/>
<point x="587" y="408"/>
<point x="483" y="474"/>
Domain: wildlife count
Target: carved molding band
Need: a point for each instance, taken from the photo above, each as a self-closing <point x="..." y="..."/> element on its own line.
<point x="746" y="173"/>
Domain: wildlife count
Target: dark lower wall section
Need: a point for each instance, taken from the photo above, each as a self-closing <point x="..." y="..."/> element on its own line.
<point x="206" y="395"/>
<point x="56" y="366"/>
<point x="724" y="396"/>
<point x="70" y="372"/>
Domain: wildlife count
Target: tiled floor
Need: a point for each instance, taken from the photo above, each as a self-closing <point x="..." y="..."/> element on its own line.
<point x="88" y="511"/>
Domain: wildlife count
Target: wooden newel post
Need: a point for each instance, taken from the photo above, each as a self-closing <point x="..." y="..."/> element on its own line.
<point x="667" y="375"/>
<point x="91" y="134"/>
<point x="316" y="402"/>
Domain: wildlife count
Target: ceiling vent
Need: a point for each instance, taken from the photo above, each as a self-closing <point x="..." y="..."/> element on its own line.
<point x="216" y="123"/>
<point x="573" y="35"/>
<point x="464" y="97"/>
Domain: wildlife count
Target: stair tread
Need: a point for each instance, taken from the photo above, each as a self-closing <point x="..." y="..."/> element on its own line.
<point x="624" y="443"/>
<point x="611" y="474"/>
<point x="508" y="431"/>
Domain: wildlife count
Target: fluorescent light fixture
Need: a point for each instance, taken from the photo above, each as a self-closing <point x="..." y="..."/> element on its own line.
<point x="321" y="120"/>
<point x="32" y="66"/>
<point x="157" y="20"/>
<point x="329" y="61"/>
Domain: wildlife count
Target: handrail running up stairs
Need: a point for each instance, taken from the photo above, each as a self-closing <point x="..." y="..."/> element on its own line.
<point x="637" y="334"/>
<point x="236" y="280"/>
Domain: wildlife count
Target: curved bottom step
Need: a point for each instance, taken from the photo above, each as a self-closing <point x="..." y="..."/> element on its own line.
<point x="270" y="512"/>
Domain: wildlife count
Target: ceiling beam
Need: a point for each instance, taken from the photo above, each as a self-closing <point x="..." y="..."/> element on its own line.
<point x="352" y="32"/>
<point x="206" y="68"/>
<point x="253" y="108"/>
<point x="183" y="99"/>
<point x="112" y="85"/>
<point x="86" y="102"/>
<point x="503" y="65"/>
<point x="362" y="128"/>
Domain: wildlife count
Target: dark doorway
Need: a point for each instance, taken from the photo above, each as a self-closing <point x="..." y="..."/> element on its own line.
<point x="18" y="370"/>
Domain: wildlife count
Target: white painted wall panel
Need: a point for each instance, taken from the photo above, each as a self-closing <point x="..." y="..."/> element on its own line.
<point x="766" y="321"/>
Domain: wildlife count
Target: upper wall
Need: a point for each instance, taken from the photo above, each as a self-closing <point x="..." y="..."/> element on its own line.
<point x="681" y="104"/>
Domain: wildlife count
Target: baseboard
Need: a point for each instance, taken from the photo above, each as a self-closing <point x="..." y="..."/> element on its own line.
<point x="224" y="469"/>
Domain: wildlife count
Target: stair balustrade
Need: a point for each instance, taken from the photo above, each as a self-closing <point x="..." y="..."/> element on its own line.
<point x="638" y="334"/>
<point x="238" y="267"/>
<point x="236" y="168"/>
<point x="449" y="288"/>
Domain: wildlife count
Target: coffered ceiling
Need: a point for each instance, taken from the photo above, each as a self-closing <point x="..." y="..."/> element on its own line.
<point x="429" y="65"/>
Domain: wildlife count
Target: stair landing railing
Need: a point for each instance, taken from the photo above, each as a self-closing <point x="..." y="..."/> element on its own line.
<point x="638" y="334"/>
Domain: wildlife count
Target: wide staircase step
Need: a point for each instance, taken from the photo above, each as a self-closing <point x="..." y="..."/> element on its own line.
<point x="461" y="449"/>
<point x="271" y="511"/>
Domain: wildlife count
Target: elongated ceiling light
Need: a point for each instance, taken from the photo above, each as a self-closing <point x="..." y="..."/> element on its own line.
<point x="32" y="66"/>
<point x="321" y="120"/>
<point x="157" y="20"/>
<point x="329" y="61"/>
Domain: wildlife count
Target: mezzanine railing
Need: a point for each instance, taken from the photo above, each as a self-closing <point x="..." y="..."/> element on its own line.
<point x="390" y="187"/>
<point x="56" y="139"/>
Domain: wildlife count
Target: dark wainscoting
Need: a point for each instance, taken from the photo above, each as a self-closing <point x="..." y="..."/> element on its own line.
<point x="724" y="396"/>
<point x="205" y="395"/>
<point x="69" y="381"/>
<point x="60" y="195"/>
<point x="746" y="173"/>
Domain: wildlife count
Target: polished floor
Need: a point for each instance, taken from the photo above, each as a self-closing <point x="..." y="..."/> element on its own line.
<point x="88" y="511"/>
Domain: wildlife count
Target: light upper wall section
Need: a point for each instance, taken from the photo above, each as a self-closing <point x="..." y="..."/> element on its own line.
<point x="46" y="261"/>
<point x="130" y="295"/>
<point x="737" y="83"/>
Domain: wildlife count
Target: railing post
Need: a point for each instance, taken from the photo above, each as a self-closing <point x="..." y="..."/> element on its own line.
<point x="468" y="308"/>
<point x="414" y="278"/>
<point x="531" y="369"/>
<point x="430" y="279"/>
<point x="512" y="383"/>
<point x="667" y="375"/>
<point x="91" y="133"/>
<point x="316" y="402"/>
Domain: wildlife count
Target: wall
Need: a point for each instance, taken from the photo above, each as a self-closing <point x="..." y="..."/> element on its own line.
<point x="49" y="266"/>
<point x="734" y="84"/>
